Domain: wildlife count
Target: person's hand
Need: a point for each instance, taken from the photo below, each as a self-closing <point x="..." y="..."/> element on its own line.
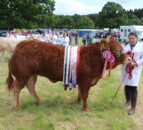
<point x="132" y="64"/>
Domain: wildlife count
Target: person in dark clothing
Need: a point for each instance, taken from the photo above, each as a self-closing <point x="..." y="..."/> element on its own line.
<point x="76" y="38"/>
<point x="84" y="39"/>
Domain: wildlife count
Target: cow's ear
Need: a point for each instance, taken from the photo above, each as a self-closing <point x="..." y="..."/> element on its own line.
<point x="108" y="39"/>
<point x="104" y="44"/>
<point x="112" y="40"/>
<point x="103" y="40"/>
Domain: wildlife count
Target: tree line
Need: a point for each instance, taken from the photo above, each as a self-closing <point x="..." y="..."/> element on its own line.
<point x="32" y="14"/>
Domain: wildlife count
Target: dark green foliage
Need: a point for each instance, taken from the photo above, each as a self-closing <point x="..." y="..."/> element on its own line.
<point x="39" y="14"/>
<point x="112" y="16"/>
<point x="82" y="22"/>
<point x="135" y="17"/>
<point x="138" y="13"/>
<point x="26" y="13"/>
<point x="64" y="22"/>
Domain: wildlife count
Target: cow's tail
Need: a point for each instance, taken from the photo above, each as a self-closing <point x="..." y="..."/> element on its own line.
<point x="9" y="80"/>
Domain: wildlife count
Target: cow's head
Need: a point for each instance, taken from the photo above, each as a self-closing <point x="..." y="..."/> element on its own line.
<point x="117" y="50"/>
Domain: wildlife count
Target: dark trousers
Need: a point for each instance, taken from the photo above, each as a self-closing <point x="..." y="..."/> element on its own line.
<point x="131" y="93"/>
<point x="76" y="40"/>
<point x="84" y="42"/>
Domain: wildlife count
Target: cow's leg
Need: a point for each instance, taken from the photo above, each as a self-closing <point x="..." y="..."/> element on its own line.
<point x="16" y="93"/>
<point x="9" y="54"/>
<point x="84" y="90"/>
<point x="17" y="87"/>
<point x="2" y="56"/>
<point x="79" y="96"/>
<point x="31" y="87"/>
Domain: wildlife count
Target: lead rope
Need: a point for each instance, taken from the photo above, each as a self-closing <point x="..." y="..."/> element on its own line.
<point x="129" y="70"/>
<point x="118" y="88"/>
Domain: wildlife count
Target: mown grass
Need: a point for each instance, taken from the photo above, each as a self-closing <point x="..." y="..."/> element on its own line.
<point x="59" y="109"/>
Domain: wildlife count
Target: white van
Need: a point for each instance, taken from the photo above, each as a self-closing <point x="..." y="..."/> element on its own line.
<point x="125" y="30"/>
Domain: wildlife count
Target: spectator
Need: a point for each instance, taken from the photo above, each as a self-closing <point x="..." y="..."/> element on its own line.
<point x="65" y="39"/>
<point x="70" y="38"/>
<point x="53" y="37"/>
<point x="84" y="38"/>
<point x="76" y="38"/>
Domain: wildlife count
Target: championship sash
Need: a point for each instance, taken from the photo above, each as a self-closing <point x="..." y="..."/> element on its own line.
<point x="71" y="66"/>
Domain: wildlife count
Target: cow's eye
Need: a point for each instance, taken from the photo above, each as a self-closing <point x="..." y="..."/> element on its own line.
<point x="117" y="51"/>
<point x="118" y="55"/>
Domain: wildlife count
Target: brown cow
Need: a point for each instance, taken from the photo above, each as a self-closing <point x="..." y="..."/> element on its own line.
<point x="32" y="58"/>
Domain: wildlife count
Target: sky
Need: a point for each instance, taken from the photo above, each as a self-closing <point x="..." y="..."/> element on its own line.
<point x="84" y="7"/>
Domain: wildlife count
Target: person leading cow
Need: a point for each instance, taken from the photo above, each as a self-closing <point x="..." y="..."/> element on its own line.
<point x="131" y="73"/>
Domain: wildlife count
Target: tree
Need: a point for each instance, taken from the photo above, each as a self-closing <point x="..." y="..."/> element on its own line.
<point x="112" y="16"/>
<point x="64" y="22"/>
<point x="83" y="22"/>
<point x="139" y="13"/>
<point x="141" y="20"/>
<point x="133" y="19"/>
<point x="26" y="13"/>
<point x="94" y="18"/>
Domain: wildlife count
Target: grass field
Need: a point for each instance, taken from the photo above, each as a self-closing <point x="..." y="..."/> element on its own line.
<point x="59" y="109"/>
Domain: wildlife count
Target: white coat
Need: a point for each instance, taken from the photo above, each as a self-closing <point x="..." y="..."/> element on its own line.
<point x="65" y="41"/>
<point x="59" y="39"/>
<point x="136" y="73"/>
<point x="54" y="38"/>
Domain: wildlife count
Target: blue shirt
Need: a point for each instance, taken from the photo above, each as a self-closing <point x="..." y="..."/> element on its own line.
<point x="132" y="46"/>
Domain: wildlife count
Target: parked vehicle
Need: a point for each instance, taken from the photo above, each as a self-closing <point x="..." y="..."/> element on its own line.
<point x="125" y="30"/>
<point x="3" y="33"/>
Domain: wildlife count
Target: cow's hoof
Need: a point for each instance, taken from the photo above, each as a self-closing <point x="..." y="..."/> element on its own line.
<point x="15" y="106"/>
<point x="38" y="103"/>
<point x="86" y="110"/>
<point x="78" y="101"/>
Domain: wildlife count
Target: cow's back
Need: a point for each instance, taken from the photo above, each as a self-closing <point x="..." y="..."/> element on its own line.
<point x="8" y="43"/>
<point x="36" y="57"/>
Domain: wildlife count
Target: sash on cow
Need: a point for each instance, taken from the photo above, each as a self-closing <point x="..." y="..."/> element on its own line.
<point x="71" y="65"/>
